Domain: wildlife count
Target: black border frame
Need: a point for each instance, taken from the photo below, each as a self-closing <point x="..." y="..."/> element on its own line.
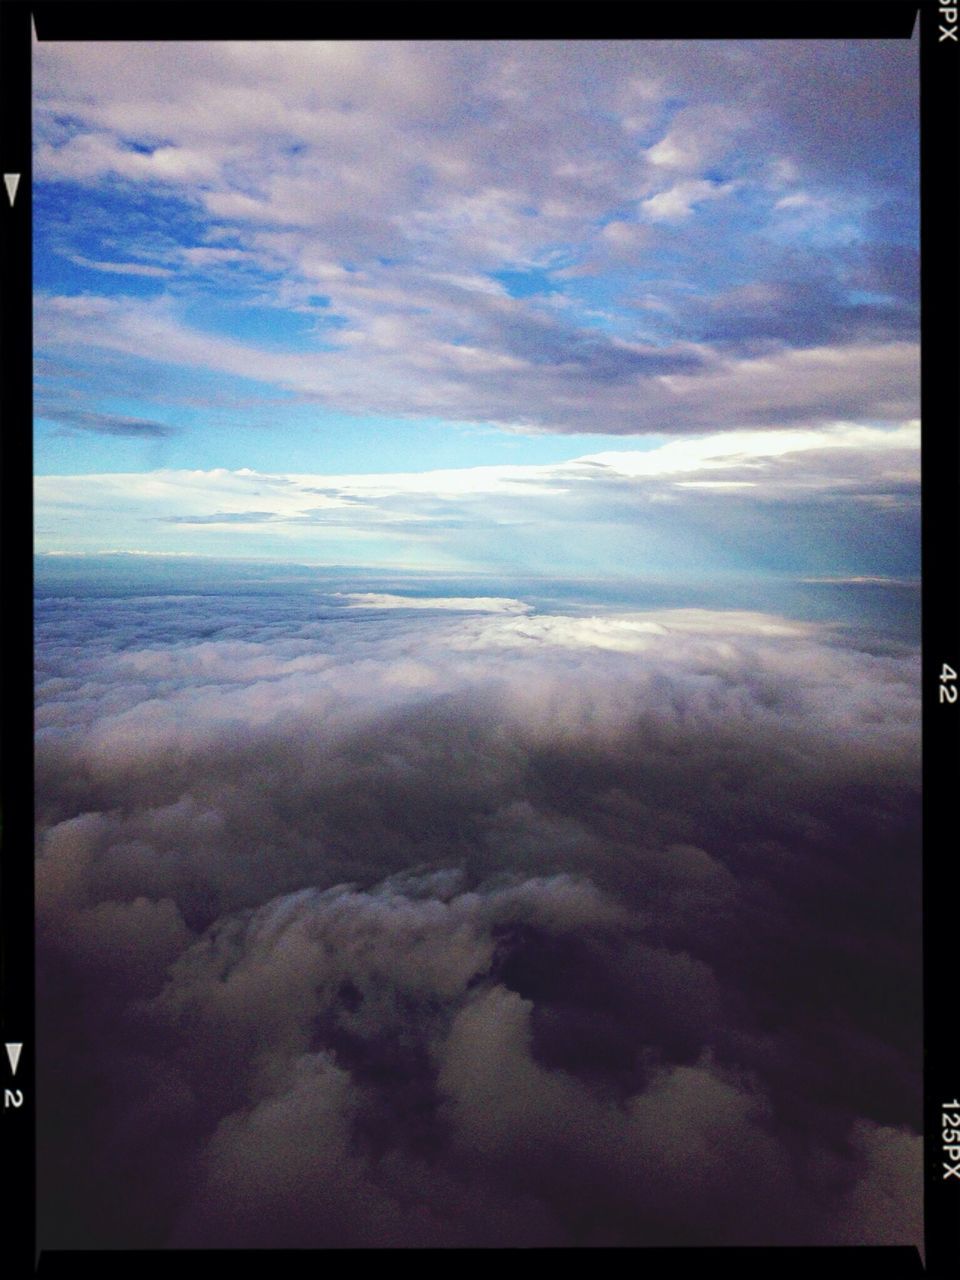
<point x="940" y="461"/>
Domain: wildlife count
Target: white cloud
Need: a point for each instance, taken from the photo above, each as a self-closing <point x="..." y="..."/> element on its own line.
<point x="817" y="460"/>
<point x="123" y="268"/>
<point x="469" y="604"/>
<point x="678" y="202"/>
<point x="697" y="136"/>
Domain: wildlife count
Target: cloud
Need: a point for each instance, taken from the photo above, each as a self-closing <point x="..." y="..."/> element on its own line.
<point x="696" y="137"/>
<point x="401" y="181"/>
<point x="123" y="268"/>
<point x="678" y="202"/>
<point x="108" y="424"/>
<point x="434" y="927"/>
<point x="470" y="604"/>
<point x="912" y="584"/>
<point x="523" y="372"/>
<point x="852" y="493"/>
<point x="809" y="311"/>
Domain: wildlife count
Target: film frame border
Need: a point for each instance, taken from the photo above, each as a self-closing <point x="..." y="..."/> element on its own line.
<point x="99" y="20"/>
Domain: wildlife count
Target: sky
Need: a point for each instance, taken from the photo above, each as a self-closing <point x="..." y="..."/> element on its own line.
<point x="477" y="644"/>
<point x="297" y="300"/>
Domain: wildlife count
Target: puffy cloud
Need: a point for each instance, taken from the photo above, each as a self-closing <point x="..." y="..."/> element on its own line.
<point x="695" y="137"/>
<point x="397" y="926"/>
<point x="678" y="202"/>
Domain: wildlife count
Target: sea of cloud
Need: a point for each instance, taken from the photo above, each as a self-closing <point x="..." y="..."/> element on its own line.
<point x="362" y="923"/>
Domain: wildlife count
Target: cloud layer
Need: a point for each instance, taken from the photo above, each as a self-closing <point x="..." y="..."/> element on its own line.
<point x="579" y="236"/>
<point x="383" y="926"/>
<point x="844" y="498"/>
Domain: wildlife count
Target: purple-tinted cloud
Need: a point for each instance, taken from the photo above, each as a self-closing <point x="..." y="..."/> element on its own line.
<point x="469" y="929"/>
<point x="753" y="193"/>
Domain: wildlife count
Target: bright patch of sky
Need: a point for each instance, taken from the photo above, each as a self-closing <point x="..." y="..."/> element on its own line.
<point x="304" y="264"/>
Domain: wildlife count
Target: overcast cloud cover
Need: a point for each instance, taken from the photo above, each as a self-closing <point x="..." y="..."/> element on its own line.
<point x="477" y="711"/>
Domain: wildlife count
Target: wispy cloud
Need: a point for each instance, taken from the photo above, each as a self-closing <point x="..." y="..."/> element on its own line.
<point x="123" y="268"/>
<point x="529" y="374"/>
<point x="107" y="424"/>
<point x="837" y="483"/>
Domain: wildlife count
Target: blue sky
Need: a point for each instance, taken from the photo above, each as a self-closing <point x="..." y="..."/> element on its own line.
<point x="275" y="284"/>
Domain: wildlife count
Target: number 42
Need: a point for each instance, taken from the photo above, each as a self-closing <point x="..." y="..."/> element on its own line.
<point x="948" y="688"/>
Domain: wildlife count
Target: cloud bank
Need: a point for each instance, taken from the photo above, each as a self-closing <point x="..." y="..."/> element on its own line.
<point x="392" y="926"/>
<point x="846" y="496"/>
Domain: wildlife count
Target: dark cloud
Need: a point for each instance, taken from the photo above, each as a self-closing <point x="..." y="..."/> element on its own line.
<point x="874" y="107"/>
<point x="826" y="105"/>
<point x="804" y="313"/>
<point x="109" y="424"/>
<point x="376" y="929"/>
<point x="892" y="269"/>
<point x="544" y="341"/>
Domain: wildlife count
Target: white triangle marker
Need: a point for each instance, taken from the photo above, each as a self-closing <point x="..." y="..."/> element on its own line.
<point x="11" y="181"/>
<point x="13" y="1053"/>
